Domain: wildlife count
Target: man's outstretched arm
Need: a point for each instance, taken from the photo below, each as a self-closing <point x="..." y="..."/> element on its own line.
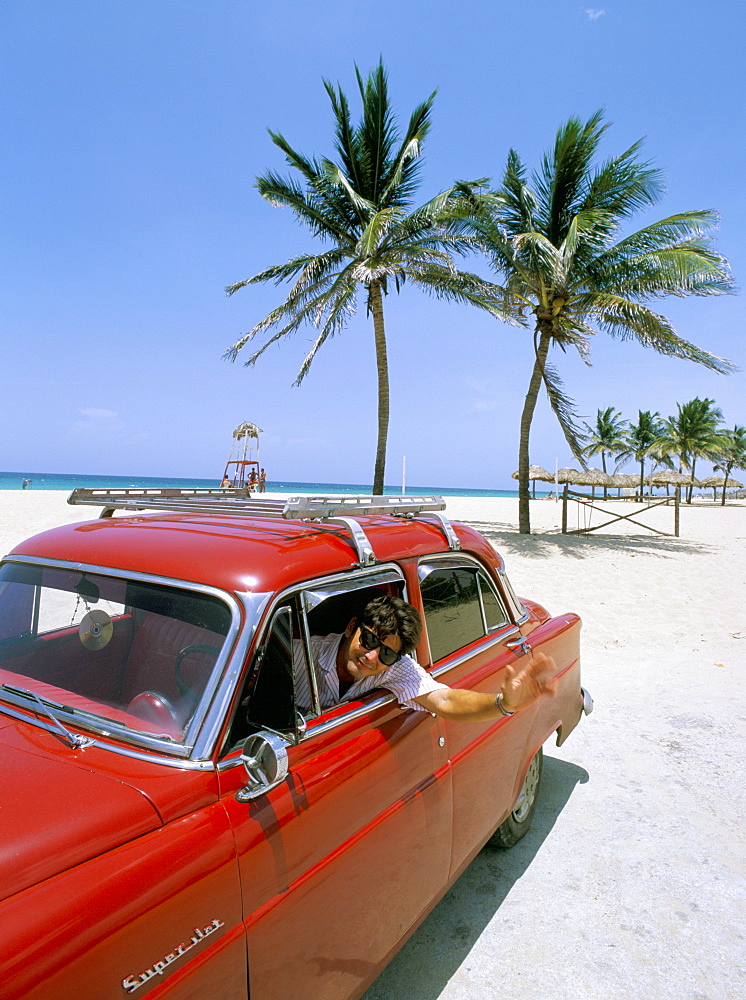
<point x="520" y="689"/>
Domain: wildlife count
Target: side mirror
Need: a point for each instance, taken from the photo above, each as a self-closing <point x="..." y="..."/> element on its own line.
<point x="265" y="758"/>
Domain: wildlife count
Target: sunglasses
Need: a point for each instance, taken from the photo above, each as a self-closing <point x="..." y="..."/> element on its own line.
<point x="369" y="640"/>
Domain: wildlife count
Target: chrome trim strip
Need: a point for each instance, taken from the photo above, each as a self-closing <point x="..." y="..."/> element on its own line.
<point x="351" y="716"/>
<point x="192" y="739"/>
<point x="383" y="573"/>
<point x="204" y="746"/>
<point x="313" y="684"/>
<point x="489" y="641"/>
<point x="184" y="764"/>
<point x="519" y="612"/>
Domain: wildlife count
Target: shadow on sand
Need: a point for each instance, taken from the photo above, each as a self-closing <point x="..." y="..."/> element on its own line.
<point x="548" y="544"/>
<point x="421" y="970"/>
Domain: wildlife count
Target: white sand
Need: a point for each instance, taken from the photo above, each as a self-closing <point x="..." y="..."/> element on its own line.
<point x="631" y="880"/>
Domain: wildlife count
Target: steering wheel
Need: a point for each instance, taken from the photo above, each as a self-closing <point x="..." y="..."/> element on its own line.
<point x="187" y="692"/>
<point x="157" y="709"/>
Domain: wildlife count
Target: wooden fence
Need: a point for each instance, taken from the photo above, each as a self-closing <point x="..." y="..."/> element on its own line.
<point x="590" y="503"/>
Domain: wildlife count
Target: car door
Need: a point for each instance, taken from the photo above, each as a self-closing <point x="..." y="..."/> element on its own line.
<point x="343" y="857"/>
<point x="468" y="628"/>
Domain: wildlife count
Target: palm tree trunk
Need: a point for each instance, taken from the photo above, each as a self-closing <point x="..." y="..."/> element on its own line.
<point x="727" y="470"/>
<point x="691" y="485"/>
<point x="524" y="497"/>
<point x="376" y="307"/>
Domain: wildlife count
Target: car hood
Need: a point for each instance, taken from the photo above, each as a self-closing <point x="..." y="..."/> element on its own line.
<point x="57" y="813"/>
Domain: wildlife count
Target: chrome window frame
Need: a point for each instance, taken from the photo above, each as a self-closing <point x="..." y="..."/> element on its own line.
<point x="520" y="613"/>
<point x="337" y="583"/>
<point x="191" y="752"/>
<point x="491" y="636"/>
<point x="490" y="629"/>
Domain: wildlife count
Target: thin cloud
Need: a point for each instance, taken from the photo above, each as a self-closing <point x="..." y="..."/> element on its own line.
<point x="592" y="14"/>
<point x="94" y="413"/>
<point x="489" y="391"/>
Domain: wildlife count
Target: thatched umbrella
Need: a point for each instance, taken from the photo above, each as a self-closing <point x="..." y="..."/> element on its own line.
<point x="625" y="481"/>
<point x="715" y="481"/>
<point x="593" y="478"/>
<point x="536" y="472"/>
<point x="567" y="475"/>
<point x="667" y="477"/>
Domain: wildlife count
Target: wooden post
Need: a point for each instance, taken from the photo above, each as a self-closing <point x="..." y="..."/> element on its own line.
<point x="564" y="510"/>
<point x="676" y="501"/>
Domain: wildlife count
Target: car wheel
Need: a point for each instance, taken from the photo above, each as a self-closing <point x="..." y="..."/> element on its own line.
<point x="517" y="824"/>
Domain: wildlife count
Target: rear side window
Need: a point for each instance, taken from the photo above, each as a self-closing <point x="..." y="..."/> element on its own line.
<point x="460" y="606"/>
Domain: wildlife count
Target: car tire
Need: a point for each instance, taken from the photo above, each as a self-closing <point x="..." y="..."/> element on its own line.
<point x="517" y="823"/>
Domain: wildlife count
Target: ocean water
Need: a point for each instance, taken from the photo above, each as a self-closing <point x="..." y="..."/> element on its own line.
<point x="69" y="481"/>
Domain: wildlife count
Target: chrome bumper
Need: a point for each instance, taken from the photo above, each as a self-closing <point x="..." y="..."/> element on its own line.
<point x="587" y="701"/>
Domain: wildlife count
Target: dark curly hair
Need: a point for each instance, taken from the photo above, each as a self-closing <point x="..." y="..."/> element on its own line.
<point x="388" y="615"/>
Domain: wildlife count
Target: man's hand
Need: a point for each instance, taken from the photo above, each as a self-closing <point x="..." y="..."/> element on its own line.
<point x="521" y="688"/>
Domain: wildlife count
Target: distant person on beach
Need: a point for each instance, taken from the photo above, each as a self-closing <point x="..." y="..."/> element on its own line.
<point x="373" y="651"/>
<point x="226" y="482"/>
<point x="262" y="481"/>
<point x="26" y="484"/>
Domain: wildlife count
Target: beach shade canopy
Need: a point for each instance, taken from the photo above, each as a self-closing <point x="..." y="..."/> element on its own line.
<point x="721" y="481"/>
<point x="625" y="480"/>
<point x="593" y="477"/>
<point x="567" y="476"/>
<point x="536" y="472"/>
<point x="668" y="476"/>
<point x="247" y="429"/>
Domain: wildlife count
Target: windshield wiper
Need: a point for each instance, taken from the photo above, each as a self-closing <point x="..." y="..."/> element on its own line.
<point x="77" y="742"/>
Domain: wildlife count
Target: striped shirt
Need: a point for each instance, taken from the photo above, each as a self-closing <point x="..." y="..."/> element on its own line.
<point x="406" y="678"/>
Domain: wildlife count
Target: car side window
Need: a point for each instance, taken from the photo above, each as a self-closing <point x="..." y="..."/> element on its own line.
<point x="495" y="614"/>
<point x="268" y="701"/>
<point x="453" y="612"/>
<point x="461" y="606"/>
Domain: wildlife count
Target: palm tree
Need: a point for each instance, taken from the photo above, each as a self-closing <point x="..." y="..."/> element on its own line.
<point x="554" y="240"/>
<point x="731" y="453"/>
<point x="607" y="436"/>
<point x="641" y="439"/>
<point x="691" y="434"/>
<point x="360" y="208"/>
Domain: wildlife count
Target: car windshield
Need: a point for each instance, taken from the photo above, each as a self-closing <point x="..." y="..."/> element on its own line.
<point x="120" y="656"/>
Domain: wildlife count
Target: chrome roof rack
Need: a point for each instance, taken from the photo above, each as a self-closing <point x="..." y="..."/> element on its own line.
<point x="231" y="501"/>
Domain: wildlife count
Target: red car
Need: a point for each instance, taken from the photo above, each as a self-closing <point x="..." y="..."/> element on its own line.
<point x="173" y="823"/>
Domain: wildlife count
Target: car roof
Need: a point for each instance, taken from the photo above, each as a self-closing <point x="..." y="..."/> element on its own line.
<point x="242" y="553"/>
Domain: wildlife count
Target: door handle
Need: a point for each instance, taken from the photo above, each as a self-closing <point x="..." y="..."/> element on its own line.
<point x="519" y="644"/>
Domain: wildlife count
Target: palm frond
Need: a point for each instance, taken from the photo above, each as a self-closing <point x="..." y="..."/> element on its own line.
<point x="564" y="410"/>
<point x="517" y="208"/>
<point x="623" y="319"/>
<point x="342" y="308"/>
<point x="624" y="185"/>
<point x="308" y="209"/>
<point x="464" y="287"/>
<point x="346" y="140"/>
<point x="560" y="182"/>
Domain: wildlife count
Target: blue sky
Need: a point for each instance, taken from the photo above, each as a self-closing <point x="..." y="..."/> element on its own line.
<point x="133" y="131"/>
